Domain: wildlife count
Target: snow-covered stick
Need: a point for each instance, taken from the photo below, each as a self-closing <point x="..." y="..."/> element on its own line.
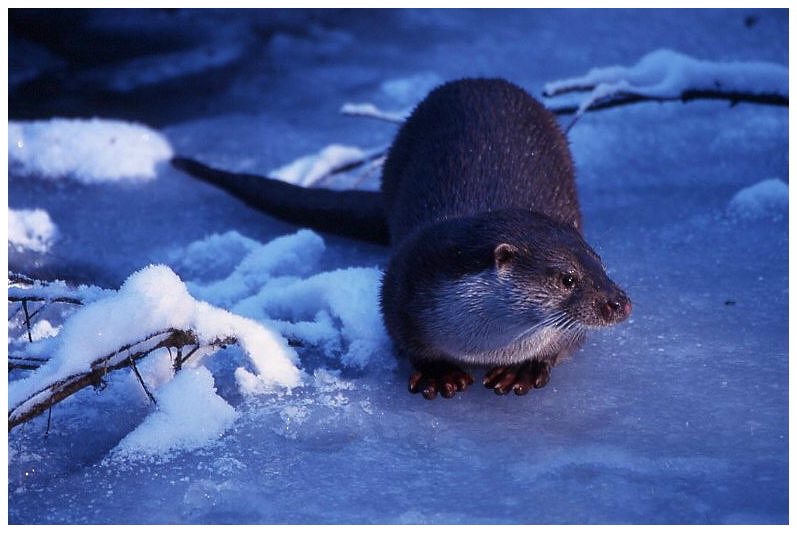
<point x="25" y="362"/>
<point x="52" y="393"/>
<point x="371" y="111"/>
<point x="665" y="75"/>
<point x="24" y="290"/>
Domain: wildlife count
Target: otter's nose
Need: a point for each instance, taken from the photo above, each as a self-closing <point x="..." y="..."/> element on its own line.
<point x="616" y="308"/>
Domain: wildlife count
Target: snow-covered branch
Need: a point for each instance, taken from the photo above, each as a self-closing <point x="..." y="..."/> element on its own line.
<point x="664" y="75"/>
<point x="369" y="110"/>
<point x="53" y="392"/>
<point x="152" y="310"/>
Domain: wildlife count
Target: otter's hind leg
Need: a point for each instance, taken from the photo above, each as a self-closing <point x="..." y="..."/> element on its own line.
<point x="520" y="378"/>
<point x="432" y="377"/>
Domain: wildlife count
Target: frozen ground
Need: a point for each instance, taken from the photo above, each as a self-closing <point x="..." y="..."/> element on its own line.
<point x="680" y="415"/>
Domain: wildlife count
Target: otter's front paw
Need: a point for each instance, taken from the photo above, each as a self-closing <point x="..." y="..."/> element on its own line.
<point x="444" y="378"/>
<point x="520" y="378"/>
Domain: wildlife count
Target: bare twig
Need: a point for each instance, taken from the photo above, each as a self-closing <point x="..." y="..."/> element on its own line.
<point x="27" y="319"/>
<point x="50" y="394"/>
<point x="141" y="380"/>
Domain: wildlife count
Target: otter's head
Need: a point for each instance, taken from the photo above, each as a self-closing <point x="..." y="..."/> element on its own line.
<point x="477" y="285"/>
<point x="548" y="267"/>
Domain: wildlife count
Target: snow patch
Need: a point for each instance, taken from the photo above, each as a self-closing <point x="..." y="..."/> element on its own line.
<point x="290" y="254"/>
<point x="177" y="424"/>
<point x="215" y="255"/>
<point x="765" y="199"/>
<point x="31" y="229"/>
<point x="349" y="296"/>
<point x="89" y="151"/>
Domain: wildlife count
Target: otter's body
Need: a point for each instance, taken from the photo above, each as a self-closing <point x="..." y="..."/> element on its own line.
<point x="489" y="266"/>
<point x="476" y="146"/>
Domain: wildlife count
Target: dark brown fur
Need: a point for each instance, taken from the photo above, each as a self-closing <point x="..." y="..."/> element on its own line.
<point x="481" y="203"/>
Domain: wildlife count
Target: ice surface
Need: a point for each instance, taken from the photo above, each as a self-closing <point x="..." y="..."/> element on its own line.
<point x="679" y="415"/>
<point x="86" y="150"/>
<point x="31" y="229"/>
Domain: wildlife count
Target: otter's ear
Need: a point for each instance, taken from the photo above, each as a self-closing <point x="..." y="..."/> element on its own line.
<point x="504" y="253"/>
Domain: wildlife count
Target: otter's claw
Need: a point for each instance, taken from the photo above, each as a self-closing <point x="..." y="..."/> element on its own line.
<point x="520" y="378"/>
<point x="444" y="378"/>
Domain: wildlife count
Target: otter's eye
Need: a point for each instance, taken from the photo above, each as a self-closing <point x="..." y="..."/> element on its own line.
<point x="568" y="280"/>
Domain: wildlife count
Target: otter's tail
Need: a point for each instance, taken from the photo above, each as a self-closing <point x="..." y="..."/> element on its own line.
<point x="355" y="214"/>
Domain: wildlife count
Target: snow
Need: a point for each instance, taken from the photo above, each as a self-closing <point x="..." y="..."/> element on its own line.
<point x="88" y="151"/>
<point x="296" y="253"/>
<point x="153" y="300"/>
<point x="175" y="426"/>
<point x="348" y="297"/>
<point x="311" y="169"/>
<point x="768" y="198"/>
<point x="668" y="74"/>
<point x="679" y="415"/>
<point x="368" y="109"/>
<point x="31" y="229"/>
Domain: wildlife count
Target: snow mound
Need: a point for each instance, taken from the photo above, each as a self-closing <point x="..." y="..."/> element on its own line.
<point x="31" y="229"/>
<point x="765" y="199"/>
<point x="290" y="254"/>
<point x="338" y="310"/>
<point x="154" y="300"/>
<point x="89" y="151"/>
<point x="177" y="424"/>
<point x="215" y="255"/>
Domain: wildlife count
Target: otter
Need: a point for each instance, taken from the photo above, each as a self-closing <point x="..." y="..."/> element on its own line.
<point x="490" y="267"/>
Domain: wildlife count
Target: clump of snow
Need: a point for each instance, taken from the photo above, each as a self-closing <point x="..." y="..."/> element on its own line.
<point x="668" y="74"/>
<point x="89" y="151"/>
<point x="311" y="169"/>
<point x="40" y="330"/>
<point x="31" y="229"/>
<point x="765" y="199"/>
<point x="349" y="296"/>
<point x="337" y="311"/>
<point x="370" y="110"/>
<point x="214" y="255"/>
<point x="290" y="254"/>
<point x="177" y="424"/>
<point x="43" y="330"/>
<point x="411" y="89"/>
<point x="153" y="300"/>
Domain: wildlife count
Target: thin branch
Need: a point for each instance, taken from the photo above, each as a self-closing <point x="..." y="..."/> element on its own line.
<point x="141" y="380"/>
<point x="24" y="362"/>
<point x="55" y="392"/>
<point x="622" y="99"/>
<point x="27" y="319"/>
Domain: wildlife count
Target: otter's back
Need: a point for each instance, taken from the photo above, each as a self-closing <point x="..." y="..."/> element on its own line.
<point x="475" y="146"/>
